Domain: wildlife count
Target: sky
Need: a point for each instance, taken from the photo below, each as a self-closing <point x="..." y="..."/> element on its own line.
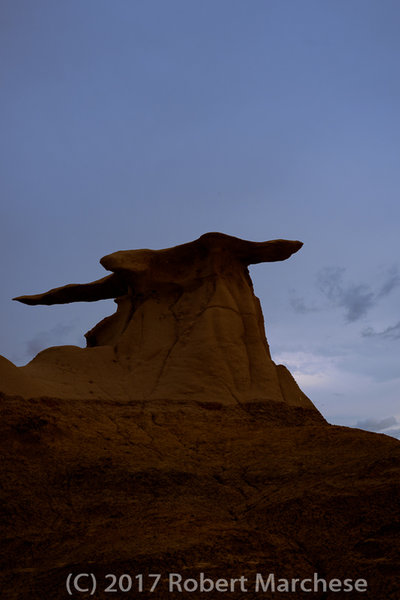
<point x="145" y="123"/>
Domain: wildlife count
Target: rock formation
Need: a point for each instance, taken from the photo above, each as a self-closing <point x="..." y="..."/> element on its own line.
<point x="187" y="326"/>
<point x="174" y="444"/>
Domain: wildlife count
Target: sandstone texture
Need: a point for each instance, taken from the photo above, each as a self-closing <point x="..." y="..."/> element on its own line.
<point x="187" y="327"/>
<point x="174" y="444"/>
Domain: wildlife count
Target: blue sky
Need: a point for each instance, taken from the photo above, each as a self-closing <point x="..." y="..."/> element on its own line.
<point x="130" y="124"/>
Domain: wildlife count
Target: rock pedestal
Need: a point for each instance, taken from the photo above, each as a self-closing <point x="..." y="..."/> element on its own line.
<point x="187" y="327"/>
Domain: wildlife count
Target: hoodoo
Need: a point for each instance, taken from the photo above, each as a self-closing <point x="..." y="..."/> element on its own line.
<point x="188" y="324"/>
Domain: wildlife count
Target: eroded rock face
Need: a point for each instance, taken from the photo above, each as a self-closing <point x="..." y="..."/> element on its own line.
<point x="187" y="326"/>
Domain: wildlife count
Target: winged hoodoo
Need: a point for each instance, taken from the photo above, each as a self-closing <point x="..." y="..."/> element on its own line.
<point x="188" y="324"/>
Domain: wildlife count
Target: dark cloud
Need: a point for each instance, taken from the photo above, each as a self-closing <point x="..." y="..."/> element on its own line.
<point x="390" y="333"/>
<point x="356" y="298"/>
<point x="329" y="281"/>
<point x="391" y="282"/>
<point x="299" y="305"/>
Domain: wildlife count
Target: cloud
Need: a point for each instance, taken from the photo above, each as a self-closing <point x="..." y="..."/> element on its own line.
<point x="44" y="339"/>
<point x="356" y="298"/>
<point x="393" y="433"/>
<point x="311" y="370"/>
<point x="299" y="305"/>
<point x="390" y="333"/>
<point x="392" y="281"/>
<point x="377" y="424"/>
<point x="388" y="426"/>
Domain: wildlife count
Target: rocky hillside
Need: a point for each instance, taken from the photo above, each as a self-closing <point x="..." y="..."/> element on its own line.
<point x="174" y="446"/>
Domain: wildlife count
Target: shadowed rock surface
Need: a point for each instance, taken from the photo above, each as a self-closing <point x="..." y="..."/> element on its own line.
<point x="173" y="443"/>
<point x="188" y="327"/>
